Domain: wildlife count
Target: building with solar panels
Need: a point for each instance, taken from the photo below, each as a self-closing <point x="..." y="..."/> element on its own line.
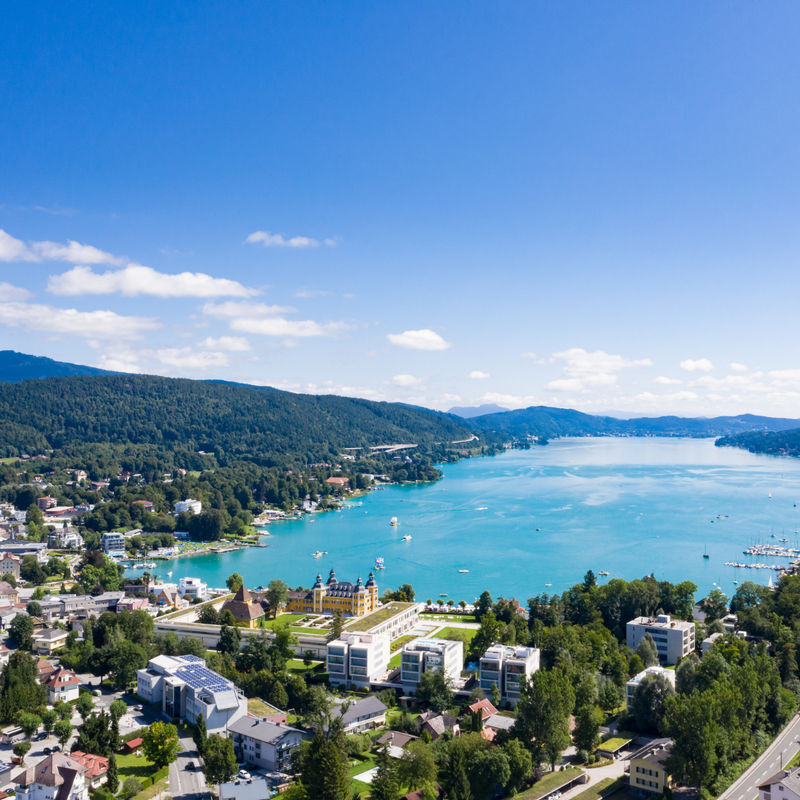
<point x="186" y="688"/>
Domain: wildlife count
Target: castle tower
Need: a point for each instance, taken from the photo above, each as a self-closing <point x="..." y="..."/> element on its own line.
<point x="318" y="591"/>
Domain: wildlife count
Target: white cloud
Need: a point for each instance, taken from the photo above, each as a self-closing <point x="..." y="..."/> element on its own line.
<point x="186" y="358"/>
<point x="233" y="344"/>
<point x="313" y="293"/>
<point x="477" y="375"/>
<point x="407" y="380"/>
<point x="424" y="339"/>
<point x="701" y="364"/>
<point x="507" y="400"/>
<point x="528" y="355"/>
<point x="135" y="280"/>
<point x="581" y="363"/>
<point x="277" y="240"/>
<point x="738" y="367"/>
<point x="12" y="249"/>
<point x="89" y="324"/>
<point x="750" y="382"/>
<point x="267" y="320"/>
<point x="10" y="293"/>
<point x="666" y="381"/>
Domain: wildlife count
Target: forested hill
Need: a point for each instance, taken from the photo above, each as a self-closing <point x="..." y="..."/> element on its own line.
<point x="16" y="366"/>
<point x="778" y="443"/>
<point x="228" y="421"/>
<point x="546" y="422"/>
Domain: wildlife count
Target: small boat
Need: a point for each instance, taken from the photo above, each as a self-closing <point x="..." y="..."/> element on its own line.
<point x="379" y="563"/>
<point x="463" y="570"/>
<point x="770" y="496"/>
<point x="537" y="529"/>
<point x="482" y="508"/>
<point x="407" y="537"/>
<point x="548" y="584"/>
<point x="394" y="521"/>
<point x="317" y="554"/>
<point x="443" y="595"/>
<point x="604" y="572"/>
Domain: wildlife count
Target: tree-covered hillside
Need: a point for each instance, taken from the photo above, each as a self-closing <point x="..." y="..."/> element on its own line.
<point x="778" y="443"/>
<point x="16" y="367"/>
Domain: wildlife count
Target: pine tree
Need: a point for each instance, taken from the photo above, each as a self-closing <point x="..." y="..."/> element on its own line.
<point x="496" y="696"/>
<point x="112" y="776"/>
<point x="200" y="734"/>
<point x="384" y="785"/>
<point x="278" y="696"/>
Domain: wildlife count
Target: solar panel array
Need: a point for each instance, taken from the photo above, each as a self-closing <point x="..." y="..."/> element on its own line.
<point x="191" y="659"/>
<point x="203" y="678"/>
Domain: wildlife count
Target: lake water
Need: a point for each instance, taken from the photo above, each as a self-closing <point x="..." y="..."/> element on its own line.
<point x="629" y="506"/>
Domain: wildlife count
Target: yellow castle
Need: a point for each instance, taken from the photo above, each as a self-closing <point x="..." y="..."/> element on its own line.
<point x="352" y="599"/>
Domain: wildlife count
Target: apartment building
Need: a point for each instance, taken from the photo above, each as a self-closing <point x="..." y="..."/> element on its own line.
<point x="357" y="658"/>
<point x="57" y="775"/>
<point x="633" y="683"/>
<point x="79" y="605"/>
<point x="186" y="688"/>
<point x="674" y="639"/>
<point x="22" y="549"/>
<point x="195" y="506"/>
<point x="506" y="666"/>
<point x="265" y="744"/>
<point x="191" y="588"/>
<point x="113" y="544"/>
<point x="429" y="655"/>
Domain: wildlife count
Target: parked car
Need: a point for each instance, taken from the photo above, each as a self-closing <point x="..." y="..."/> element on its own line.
<point x="244" y="774"/>
<point x="40" y="736"/>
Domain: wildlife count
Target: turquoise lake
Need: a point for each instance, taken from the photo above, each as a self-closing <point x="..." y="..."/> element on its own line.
<point x="629" y="506"/>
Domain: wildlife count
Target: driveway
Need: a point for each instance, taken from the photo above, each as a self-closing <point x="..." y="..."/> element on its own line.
<point x="185" y="783"/>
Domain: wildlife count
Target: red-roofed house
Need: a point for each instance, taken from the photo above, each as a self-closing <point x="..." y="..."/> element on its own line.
<point x="487" y="709"/>
<point x="132" y="746"/>
<point x="45" y="669"/>
<point x="96" y="767"/>
<point x="62" y="685"/>
<point x="342" y="483"/>
<point x="56" y="775"/>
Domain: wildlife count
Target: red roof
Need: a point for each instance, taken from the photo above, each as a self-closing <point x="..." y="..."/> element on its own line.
<point x="487" y="709"/>
<point x="61" y="677"/>
<point x="133" y="744"/>
<point x="95" y="765"/>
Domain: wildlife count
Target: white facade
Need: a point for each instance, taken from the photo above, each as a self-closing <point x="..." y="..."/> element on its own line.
<point x="195" y="506"/>
<point x="784" y="785"/>
<point x="190" y="588"/>
<point x="630" y="686"/>
<point x="113" y="544"/>
<point x="184" y="687"/>
<point x="506" y="666"/>
<point x="674" y="639"/>
<point x="56" y="776"/>
<point x="357" y="658"/>
<point x="268" y="745"/>
<point x="430" y="655"/>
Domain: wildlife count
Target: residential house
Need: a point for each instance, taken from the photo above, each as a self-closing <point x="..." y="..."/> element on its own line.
<point x="396" y="739"/>
<point x="167" y="596"/>
<point x="96" y="767"/>
<point x="56" y="776"/>
<point x="506" y="666"/>
<point x="195" y="506"/>
<point x="45" y="669"/>
<point x="437" y="724"/>
<point x="132" y="604"/>
<point x="146" y="505"/>
<point x="709" y="642"/>
<point x="783" y="785"/>
<point x="184" y="687"/>
<point x="365" y="714"/>
<point x="485" y="707"/>
<point x="7" y="615"/>
<point x="253" y="789"/>
<point x="357" y="658"/>
<point x="64" y="538"/>
<point x="648" y="771"/>
<point x="49" y="640"/>
<point x="191" y="589"/>
<point x="8" y="592"/>
<point x="46" y="502"/>
<point x="9" y="565"/>
<point x="113" y="544"/>
<point x="5" y="654"/>
<point x="630" y="686"/>
<point x="267" y="745"/>
<point x="79" y="605"/>
<point x="674" y="639"/>
<point x="62" y="684"/>
<point x="429" y="655"/>
<point x="419" y="794"/>
<point x="245" y="608"/>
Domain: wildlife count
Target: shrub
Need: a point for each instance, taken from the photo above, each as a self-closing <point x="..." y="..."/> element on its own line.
<point x="131" y="787"/>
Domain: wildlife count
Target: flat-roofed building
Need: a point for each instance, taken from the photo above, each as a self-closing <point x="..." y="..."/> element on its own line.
<point x="674" y="639"/>
<point x="357" y="658"/>
<point x="429" y="655"/>
<point x="113" y="544"/>
<point x="506" y="666"/>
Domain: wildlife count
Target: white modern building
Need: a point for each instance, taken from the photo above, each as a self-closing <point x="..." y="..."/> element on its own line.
<point x="55" y="776"/>
<point x="265" y="744"/>
<point x="358" y="658"/>
<point x="507" y="666"/>
<point x="64" y="538"/>
<point x="195" y="506"/>
<point x="673" y="638"/>
<point x="429" y="655"/>
<point x="113" y="544"/>
<point x="185" y="688"/>
<point x="630" y="686"/>
<point x="191" y="588"/>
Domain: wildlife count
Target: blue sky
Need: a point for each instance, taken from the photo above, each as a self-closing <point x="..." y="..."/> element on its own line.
<point x="591" y="205"/>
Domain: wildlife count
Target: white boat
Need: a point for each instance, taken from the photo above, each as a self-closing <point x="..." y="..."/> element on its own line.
<point x="482" y="508"/>
<point x="463" y="570"/>
<point x="407" y="537"/>
<point x="318" y="554"/>
<point x="394" y="521"/>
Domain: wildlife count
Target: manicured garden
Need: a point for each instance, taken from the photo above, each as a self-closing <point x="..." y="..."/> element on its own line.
<point x="465" y="635"/>
<point x="377" y="617"/>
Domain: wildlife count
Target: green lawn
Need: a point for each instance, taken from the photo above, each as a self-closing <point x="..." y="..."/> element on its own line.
<point x="133" y="766"/>
<point x="394" y="661"/>
<point x="297" y="667"/>
<point x="547" y="784"/>
<point x="377" y="617"/>
<point x="269" y="624"/>
<point x="260" y="708"/>
<point x="465" y="635"/>
<point x="600" y="789"/>
<point x="361" y="766"/>
<point x="398" y="643"/>
<point x="12" y="460"/>
<point x="617" y="741"/>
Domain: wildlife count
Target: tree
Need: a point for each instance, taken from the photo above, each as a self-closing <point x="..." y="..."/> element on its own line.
<point x="29" y="723"/>
<point x="208" y="526"/>
<point x="64" y="710"/>
<point x="435" y="689"/>
<point x="587" y="727"/>
<point x="417" y="765"/>
<point x="117" y="709"/>
<point x="112" y="776"/>
<point x="385" y="784"/>
<point x="489" y="633"/>
<point x="84" y="703"/>
<point x="484" y="604"/>
<point x="160" y="743"/>
<point x="20" y="689"/>
<point x="278" y="696"/>
<point x="685" y="674"/>
<point x="648" y="702"/>
<point x="308" y="657"/>
<point x="589" y="581"/>
<point x="49" y="719"/>
<point x="715" y="605"/>
<point x="63" y="731"/>
<point x="520" y="765"/>
<point x="234" y="582"/>
<point x="21" y="631"/>
<point x="130" y="788"/>
<point x="496" y="696"/>
<point x="34" y="609"/>
<point x="200" y="734"/>
<point x="610" y="696"/>
<point x="230" y="640"/>
<point x="209" y="615"/>
<point x="219" y="761"/>
<point x="127" y="659"/>
<point x="647" y="651"/>
<point x="21" y="749"/>
<point x="96" y="736"/>
<point x="338" y="623"/>
<point x="277" y="594"/>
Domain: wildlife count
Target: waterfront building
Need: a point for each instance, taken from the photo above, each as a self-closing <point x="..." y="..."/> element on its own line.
<point x="113" y="544"/>
<point x="191" y="588"/>
<point x="184" y="687"/>
<point x="352" y="599"/>
<point x="630" y="686"/>
<point x="674" y="639"/>
<point x="648" y="770"/>
<point x="267" y="745"/>
<point x="357" y="658"/>
<point x="505" y="666"/>
<point x="195" y="506"/>
<point x="429" y="655"/>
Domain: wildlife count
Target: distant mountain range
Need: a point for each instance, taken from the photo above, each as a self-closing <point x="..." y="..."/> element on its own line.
<point x="468" y="412"/>
<point x="15" y="367"/>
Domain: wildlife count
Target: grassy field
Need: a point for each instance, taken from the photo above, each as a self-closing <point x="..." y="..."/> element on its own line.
<point x="260" y="708"/>
<point x="12" y="460"/>
<point x="600" y="789"/>
<point x="547" y="784"/>
<point x="292" y="619"/>
<point x="394" y="661"/>
<point x="297" y="667"/>
<point x="133" y="766"/>
<point x="361" y="766"/>
<point x="398" y="643"/>
<point x="465" y="635"/>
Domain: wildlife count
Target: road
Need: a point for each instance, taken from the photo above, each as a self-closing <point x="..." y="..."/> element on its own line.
<point x="780" y="752"/>
<point x="185" y="783"/>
